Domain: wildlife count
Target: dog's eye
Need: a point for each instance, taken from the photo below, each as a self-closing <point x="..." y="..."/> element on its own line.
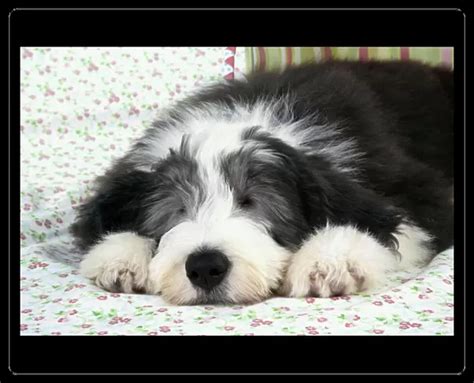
<point x="182" y="210"/>
<point x="246" y="202"/>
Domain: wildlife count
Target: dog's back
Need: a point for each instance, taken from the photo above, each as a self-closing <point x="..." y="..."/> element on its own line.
<point x="420" y="100"/>
<point x="410" y="101"/>
<point x="407" y="102"/>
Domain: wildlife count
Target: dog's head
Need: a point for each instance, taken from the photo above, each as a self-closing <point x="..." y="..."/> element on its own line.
<point x="227" y="213"/>
<point x="230" y="205"/>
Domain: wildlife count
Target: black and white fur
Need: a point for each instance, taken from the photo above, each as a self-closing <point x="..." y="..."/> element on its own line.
<point x="319" y="180"/>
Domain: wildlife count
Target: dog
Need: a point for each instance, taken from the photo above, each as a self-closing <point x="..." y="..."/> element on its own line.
<point x="317" y="180"/>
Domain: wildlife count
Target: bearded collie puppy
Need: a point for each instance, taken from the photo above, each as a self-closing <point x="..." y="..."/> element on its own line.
<point x="318" y="180"/>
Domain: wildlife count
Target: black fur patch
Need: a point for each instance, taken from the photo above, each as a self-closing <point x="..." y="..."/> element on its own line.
<point x="400" y="114"/>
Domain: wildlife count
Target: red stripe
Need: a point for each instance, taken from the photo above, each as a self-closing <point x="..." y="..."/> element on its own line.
<point x="261" y="54"/>
<point x="289" y="56"/>
<point x="230" y="61"/>
<point x="404" y="53"/>
<point x="363" y="53"/>
<point x="327" y="52"/>
<point x="446" y="57"/>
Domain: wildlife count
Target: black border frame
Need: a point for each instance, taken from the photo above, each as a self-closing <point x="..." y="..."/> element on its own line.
<point x="278" y="354"/>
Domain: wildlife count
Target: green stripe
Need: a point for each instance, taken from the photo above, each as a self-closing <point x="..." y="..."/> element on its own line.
<point x="249" y="60"/>
<point x="379" y="53"/>
<point x="396" y="53"/>
<point x="373" y="52"/>
<point x="274" y="61"/>
<point x="257" y="58"/>
<point x="307" y="54"/>
<point x="345" y="53"/>
<point x="384" y="53"/>
<point x="428" y="55"/>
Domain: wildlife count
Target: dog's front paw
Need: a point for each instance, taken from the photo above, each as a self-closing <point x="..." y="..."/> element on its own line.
<point x="338" y="260"/>
<point x="326" y="279"/>
<point x="119" y="263"/>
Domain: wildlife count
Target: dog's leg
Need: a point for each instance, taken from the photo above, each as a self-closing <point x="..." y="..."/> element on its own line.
<point x="119" y="263"/>
<point x="341" y="260"/>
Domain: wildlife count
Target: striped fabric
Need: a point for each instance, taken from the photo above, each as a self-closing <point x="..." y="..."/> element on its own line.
<point x="280" y="57"/>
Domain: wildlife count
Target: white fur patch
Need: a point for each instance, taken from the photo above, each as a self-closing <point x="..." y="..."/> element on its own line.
<point x="214" y="129"/>
<point x="337" y="260"/>
<point x="413" y="247"/>
<point x="119" y="262"/>
<point x="257" y="262"/>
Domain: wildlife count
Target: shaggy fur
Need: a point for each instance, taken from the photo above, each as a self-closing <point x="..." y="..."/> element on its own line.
<point x="319" y="180"/>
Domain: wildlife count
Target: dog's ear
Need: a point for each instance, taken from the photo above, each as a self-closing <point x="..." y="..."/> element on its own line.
<point x="333" y="197"/>
<point x="115" y="206"/>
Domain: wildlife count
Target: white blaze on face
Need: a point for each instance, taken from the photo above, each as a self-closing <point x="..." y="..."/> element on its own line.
<point x="257" y="261"/>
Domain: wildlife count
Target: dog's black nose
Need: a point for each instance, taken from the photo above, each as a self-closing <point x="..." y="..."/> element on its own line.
<point x="207" y="268"/>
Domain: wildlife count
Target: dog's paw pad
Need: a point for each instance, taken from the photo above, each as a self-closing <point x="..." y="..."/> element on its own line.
<point x="119" y="263"/>
<point x="329" y="280"/>
<point x="121" y="280"/>
<point x="359" y="278"/>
